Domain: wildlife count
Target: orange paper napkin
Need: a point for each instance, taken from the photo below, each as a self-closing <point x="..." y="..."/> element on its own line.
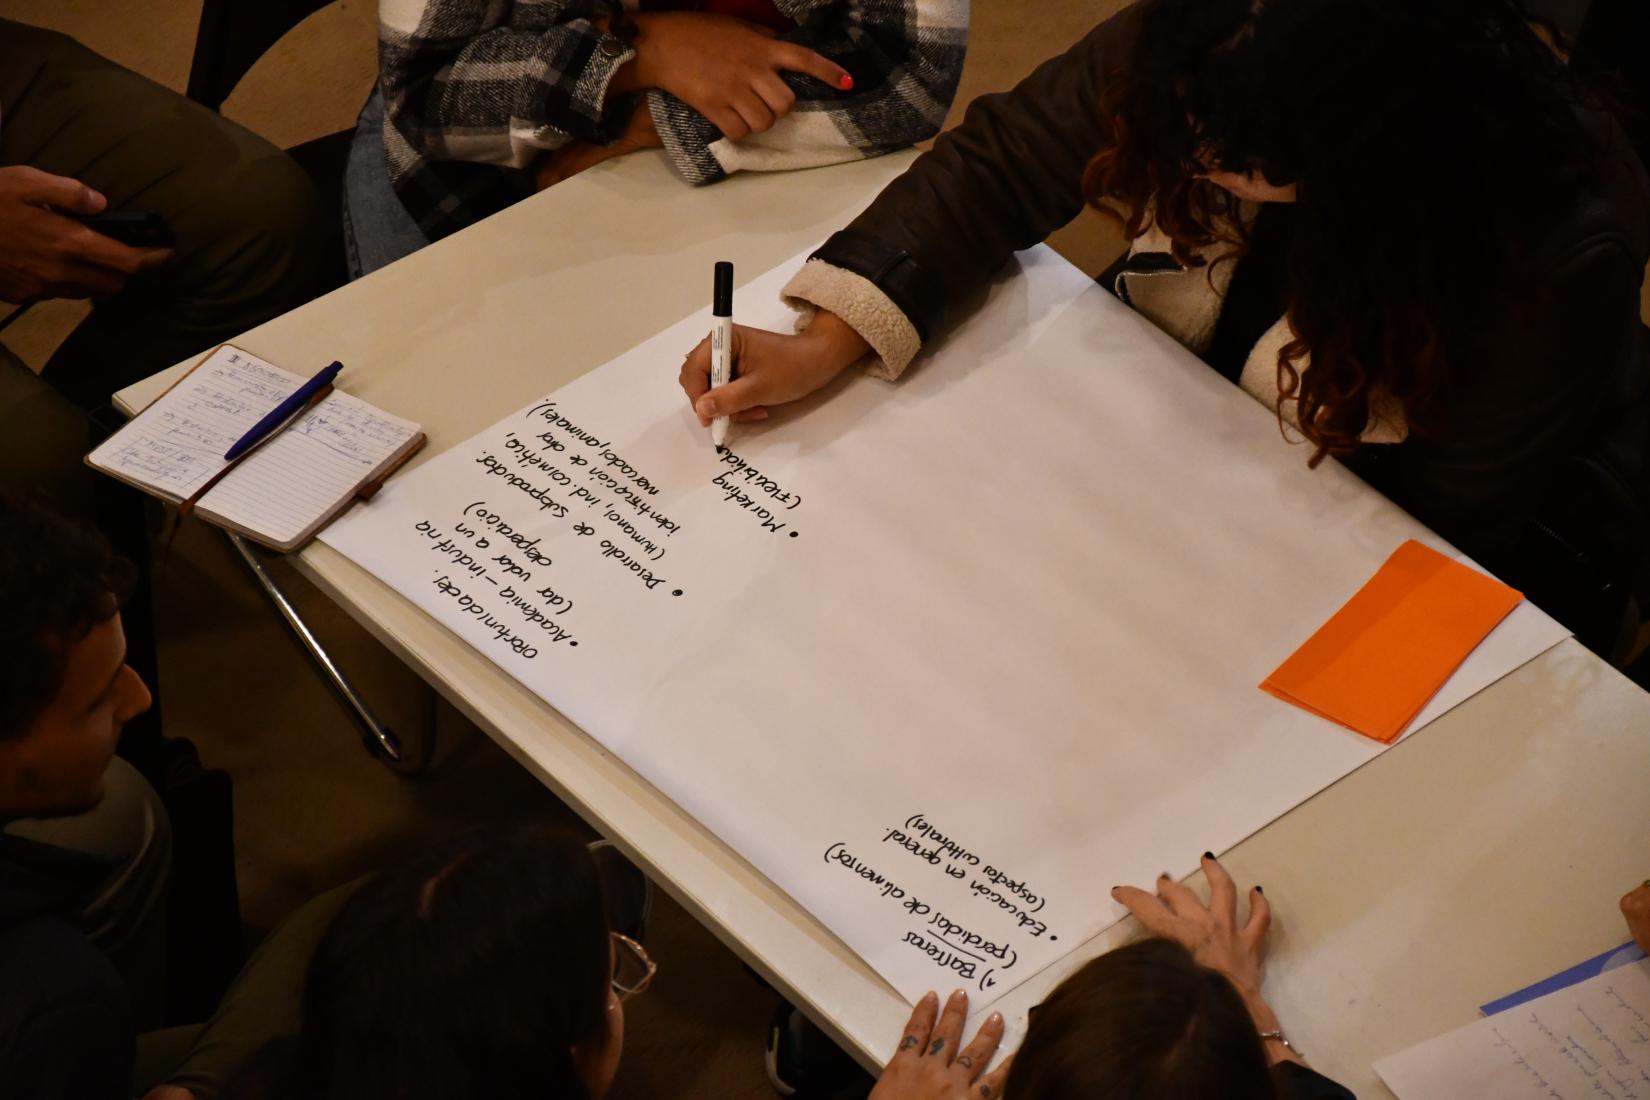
<point x="1374" y="665"/>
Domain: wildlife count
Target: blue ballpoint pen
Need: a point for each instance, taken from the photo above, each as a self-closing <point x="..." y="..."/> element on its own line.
<point x="279" y="413"/>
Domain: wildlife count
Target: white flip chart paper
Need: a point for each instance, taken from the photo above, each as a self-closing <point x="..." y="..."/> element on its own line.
<point x="944" y="659"/>
<point x="1589" y="1040"/>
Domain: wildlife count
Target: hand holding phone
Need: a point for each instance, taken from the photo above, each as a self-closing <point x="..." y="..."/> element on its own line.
<point x="137" y="228"/>
<point x="45" y="249"/>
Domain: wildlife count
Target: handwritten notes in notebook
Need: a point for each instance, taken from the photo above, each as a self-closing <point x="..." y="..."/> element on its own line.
<point x="1375" y="664"/>
<point x="178" y="442"/>
<point x="282" y="491"/>
<point x="1590" y="1040"/>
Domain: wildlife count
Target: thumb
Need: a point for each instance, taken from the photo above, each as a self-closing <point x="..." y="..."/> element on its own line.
<point x="800" y="59"/>
<point x="742" y="393"/>
<point x="149" y="258"/>
<point x="61" y="193"/>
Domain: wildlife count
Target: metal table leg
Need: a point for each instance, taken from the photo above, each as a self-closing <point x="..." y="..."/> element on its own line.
<point x="379" y="739"/>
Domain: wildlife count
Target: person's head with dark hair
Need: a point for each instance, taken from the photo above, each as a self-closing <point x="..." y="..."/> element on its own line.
<point x="1425" y="144"/>
<point x="481" y="969"/>
<point x="1143" y="1021"/>
<point x="1178" y="1017"/>
<point x="65" y="687"/>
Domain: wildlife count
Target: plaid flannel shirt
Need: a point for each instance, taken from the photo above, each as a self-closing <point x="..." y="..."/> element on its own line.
<point x="475" y="90"/>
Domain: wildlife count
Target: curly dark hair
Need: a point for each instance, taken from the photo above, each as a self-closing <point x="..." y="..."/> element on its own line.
<point x="57" y="581"/>
<point x="1430" y="143"/>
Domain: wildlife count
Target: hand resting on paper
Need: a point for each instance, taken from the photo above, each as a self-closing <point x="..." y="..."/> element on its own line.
<point x="1212" y="934"/>
<point x="771" y="368"/>
<point x="932" y="1064"/>
<point x="1635" y="906"/>
<point x="1176" y="1014"/>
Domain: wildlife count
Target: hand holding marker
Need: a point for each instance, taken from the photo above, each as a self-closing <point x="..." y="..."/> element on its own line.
<point x="721" y="344"/>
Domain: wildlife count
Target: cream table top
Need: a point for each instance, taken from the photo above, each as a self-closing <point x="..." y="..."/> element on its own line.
<point x="1481" y="854"/>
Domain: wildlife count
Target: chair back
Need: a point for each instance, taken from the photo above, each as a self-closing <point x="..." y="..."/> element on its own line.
<point x="1614" y="43"/>
<point x="233" y="35"/>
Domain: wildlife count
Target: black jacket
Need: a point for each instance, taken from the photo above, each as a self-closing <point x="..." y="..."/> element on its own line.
<point x="1296" y="1082"/>
<point x="65" y="1024"/>
<point x="1544" y="472"/>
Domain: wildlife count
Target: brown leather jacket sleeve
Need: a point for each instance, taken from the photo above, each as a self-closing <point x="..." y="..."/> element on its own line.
<point x="1003" y="180"/>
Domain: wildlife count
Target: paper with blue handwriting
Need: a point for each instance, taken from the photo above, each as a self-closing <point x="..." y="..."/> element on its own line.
<point x="943" y="659"/>
<point x="1587" y="1040"/>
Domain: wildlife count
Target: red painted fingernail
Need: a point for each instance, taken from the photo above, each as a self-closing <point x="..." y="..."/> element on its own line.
<point x="846" y="83"/>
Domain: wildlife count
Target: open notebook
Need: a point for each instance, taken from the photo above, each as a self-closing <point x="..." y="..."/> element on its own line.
<point x="284" y="491"/>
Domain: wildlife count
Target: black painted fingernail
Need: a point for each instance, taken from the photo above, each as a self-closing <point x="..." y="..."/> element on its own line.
<point x="1258" y="890"/>
<point x="1208" y="855"/>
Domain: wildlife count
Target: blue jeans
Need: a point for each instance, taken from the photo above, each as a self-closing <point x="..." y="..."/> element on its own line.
<point x="377" y="228"/>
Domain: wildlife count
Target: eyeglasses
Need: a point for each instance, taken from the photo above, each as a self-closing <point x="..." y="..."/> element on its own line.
<point x="632" y="969"/>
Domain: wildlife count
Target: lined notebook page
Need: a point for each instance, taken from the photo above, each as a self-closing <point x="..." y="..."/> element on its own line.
<point x="307" y="471"/>
<point x="177" y="443"/>
<point x="285" y="487"/>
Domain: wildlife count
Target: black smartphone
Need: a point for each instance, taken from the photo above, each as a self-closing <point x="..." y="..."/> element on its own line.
<point x="138" y="228"/>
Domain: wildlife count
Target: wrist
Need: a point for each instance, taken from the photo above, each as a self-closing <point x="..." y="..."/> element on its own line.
<point x="836" y="342"/>
<point x="1279" y="1049"/>
<point x="638" y="73"/>
<point x="1259" y="1011"/>
<point x="1277" y="1045"/>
